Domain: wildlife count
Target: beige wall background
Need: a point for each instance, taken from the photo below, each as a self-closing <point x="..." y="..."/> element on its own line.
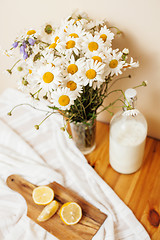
<point x="139" y="21"/>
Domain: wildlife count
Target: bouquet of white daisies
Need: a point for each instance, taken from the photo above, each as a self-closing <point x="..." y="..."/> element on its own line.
<point x="70" y="66"/>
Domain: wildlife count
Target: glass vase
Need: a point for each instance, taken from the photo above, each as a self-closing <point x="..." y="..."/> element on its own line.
<point x="83" y="135"/>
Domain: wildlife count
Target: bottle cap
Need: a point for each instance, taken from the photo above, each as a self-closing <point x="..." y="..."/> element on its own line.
<point x="131" y="94"/>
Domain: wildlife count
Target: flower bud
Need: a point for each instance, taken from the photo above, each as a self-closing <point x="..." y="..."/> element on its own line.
<point x="144" y="83"/>
<point x="48" y="29"/>
<point x="19" y="69"/>
<point x="36" y="127"/>
<point x="125" y="51"/>
<point x="25" y="82"/>
<point x="45" y="97"/>
<point x="9" y="114"/>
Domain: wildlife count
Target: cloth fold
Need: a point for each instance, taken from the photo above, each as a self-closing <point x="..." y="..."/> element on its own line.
<point x="45" y="156"/>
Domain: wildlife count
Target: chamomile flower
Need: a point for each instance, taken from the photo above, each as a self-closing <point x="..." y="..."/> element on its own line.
<point x="46" y="31"/>
<point x="131" y="64"/>
<point x="63" y="98"/>
<point x="79" y="15"/>
<point x="75" y="31"/>
<point x="96" y="56"/>
<point x="115" y="63"/>
<point x="106" y="35"/>
<point x="66" y="23"/>
<point x="48" y="77"/>
<point x="73" y="67"/>
<point x="56" y="38"/>
<point x="75" y="84"/>
<point x="93" y="72"/>
<point x="69" y="45"/>
<point x="81" y="22"/>
<point x="26" y="81"/>
<point x="125" y="51"/>
<point x="28" y="84"/>
<point x="92" y="43"/>
<point x="94" y="24"/>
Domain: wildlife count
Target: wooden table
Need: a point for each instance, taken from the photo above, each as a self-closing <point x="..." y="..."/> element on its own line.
<point x="140" y="191"/>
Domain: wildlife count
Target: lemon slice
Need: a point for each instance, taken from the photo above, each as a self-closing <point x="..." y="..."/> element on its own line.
<point x="42" y="195"/>
<point x="70" y="213"/>
<point x="48" y="211"/>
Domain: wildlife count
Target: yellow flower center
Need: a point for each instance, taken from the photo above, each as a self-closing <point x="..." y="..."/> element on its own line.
<point x="64" y="100"/>
<point x="30" y="32"/>
<point x="56" y="39"/>
<point x="70" y="44"/>
<point x="72" y="69"/>
<point x="97" y="58"/>
<point x="91" y="73"/>
<point x="93" y="46"/>
<point x="48" y="77"/>
<point x="30" y="71"/>
<point x="113" y="63"/>
<point x="104" y="37"/>
<point x="75" y="35"/>
<point x="72" y="85"/>
<point x="53" y="45"/>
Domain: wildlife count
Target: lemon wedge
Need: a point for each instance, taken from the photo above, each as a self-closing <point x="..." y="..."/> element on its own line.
<point x="48" y="211"/>
<point x="70" y="213"/>
<point x="42" y="195"/>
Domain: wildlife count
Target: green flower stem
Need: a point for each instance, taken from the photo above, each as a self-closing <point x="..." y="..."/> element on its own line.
<point x="26" y="104"/>
<point x="90" y="102"/>
<point x="110" y="105"/>
<point x="141" y="85"/>
<point x="82" y="107"/>
<point x="91" y="99"/>
<point x="118" y="31"/>
<point x="40" y="41"/>
<point x="10" y="70"/>
<point x="129" y="76"/>
<point x="120" y="90"/>
<point x="36" y="93"/>
<point x="79" y="113"/>
<point x="37" y="126"/>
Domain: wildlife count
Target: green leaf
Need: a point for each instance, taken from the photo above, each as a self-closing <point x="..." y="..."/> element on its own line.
<point x="54" y="108"/>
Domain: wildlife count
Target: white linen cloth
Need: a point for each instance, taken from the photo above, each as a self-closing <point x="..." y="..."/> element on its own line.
<point x="45" y="156"/>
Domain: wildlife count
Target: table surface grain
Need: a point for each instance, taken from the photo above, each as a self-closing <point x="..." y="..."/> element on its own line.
<point x="140" y="191"/>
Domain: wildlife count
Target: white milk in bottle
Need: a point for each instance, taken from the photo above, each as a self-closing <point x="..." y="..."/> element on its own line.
<point x="128" y="131"/>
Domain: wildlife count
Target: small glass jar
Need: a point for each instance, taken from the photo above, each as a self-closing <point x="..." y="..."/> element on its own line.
<point x="128" y="131"/>
<point x="84" y="135"/>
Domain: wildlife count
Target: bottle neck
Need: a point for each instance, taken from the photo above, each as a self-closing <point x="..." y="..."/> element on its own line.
<point x="130" y="99"/>
<point x="131" y="103"/>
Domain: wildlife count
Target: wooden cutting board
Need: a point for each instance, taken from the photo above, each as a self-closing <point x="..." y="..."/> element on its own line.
<point x="90" y="223"/>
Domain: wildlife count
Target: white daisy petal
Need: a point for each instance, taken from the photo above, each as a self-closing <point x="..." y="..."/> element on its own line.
<point x="63" y="98"/>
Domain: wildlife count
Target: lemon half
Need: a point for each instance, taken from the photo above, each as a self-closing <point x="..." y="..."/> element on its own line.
<point x="70" y="213"/>
<point x="42" y="195"/>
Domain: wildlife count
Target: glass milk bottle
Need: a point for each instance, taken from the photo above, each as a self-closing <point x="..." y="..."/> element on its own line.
<point x="128" y="131"/>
